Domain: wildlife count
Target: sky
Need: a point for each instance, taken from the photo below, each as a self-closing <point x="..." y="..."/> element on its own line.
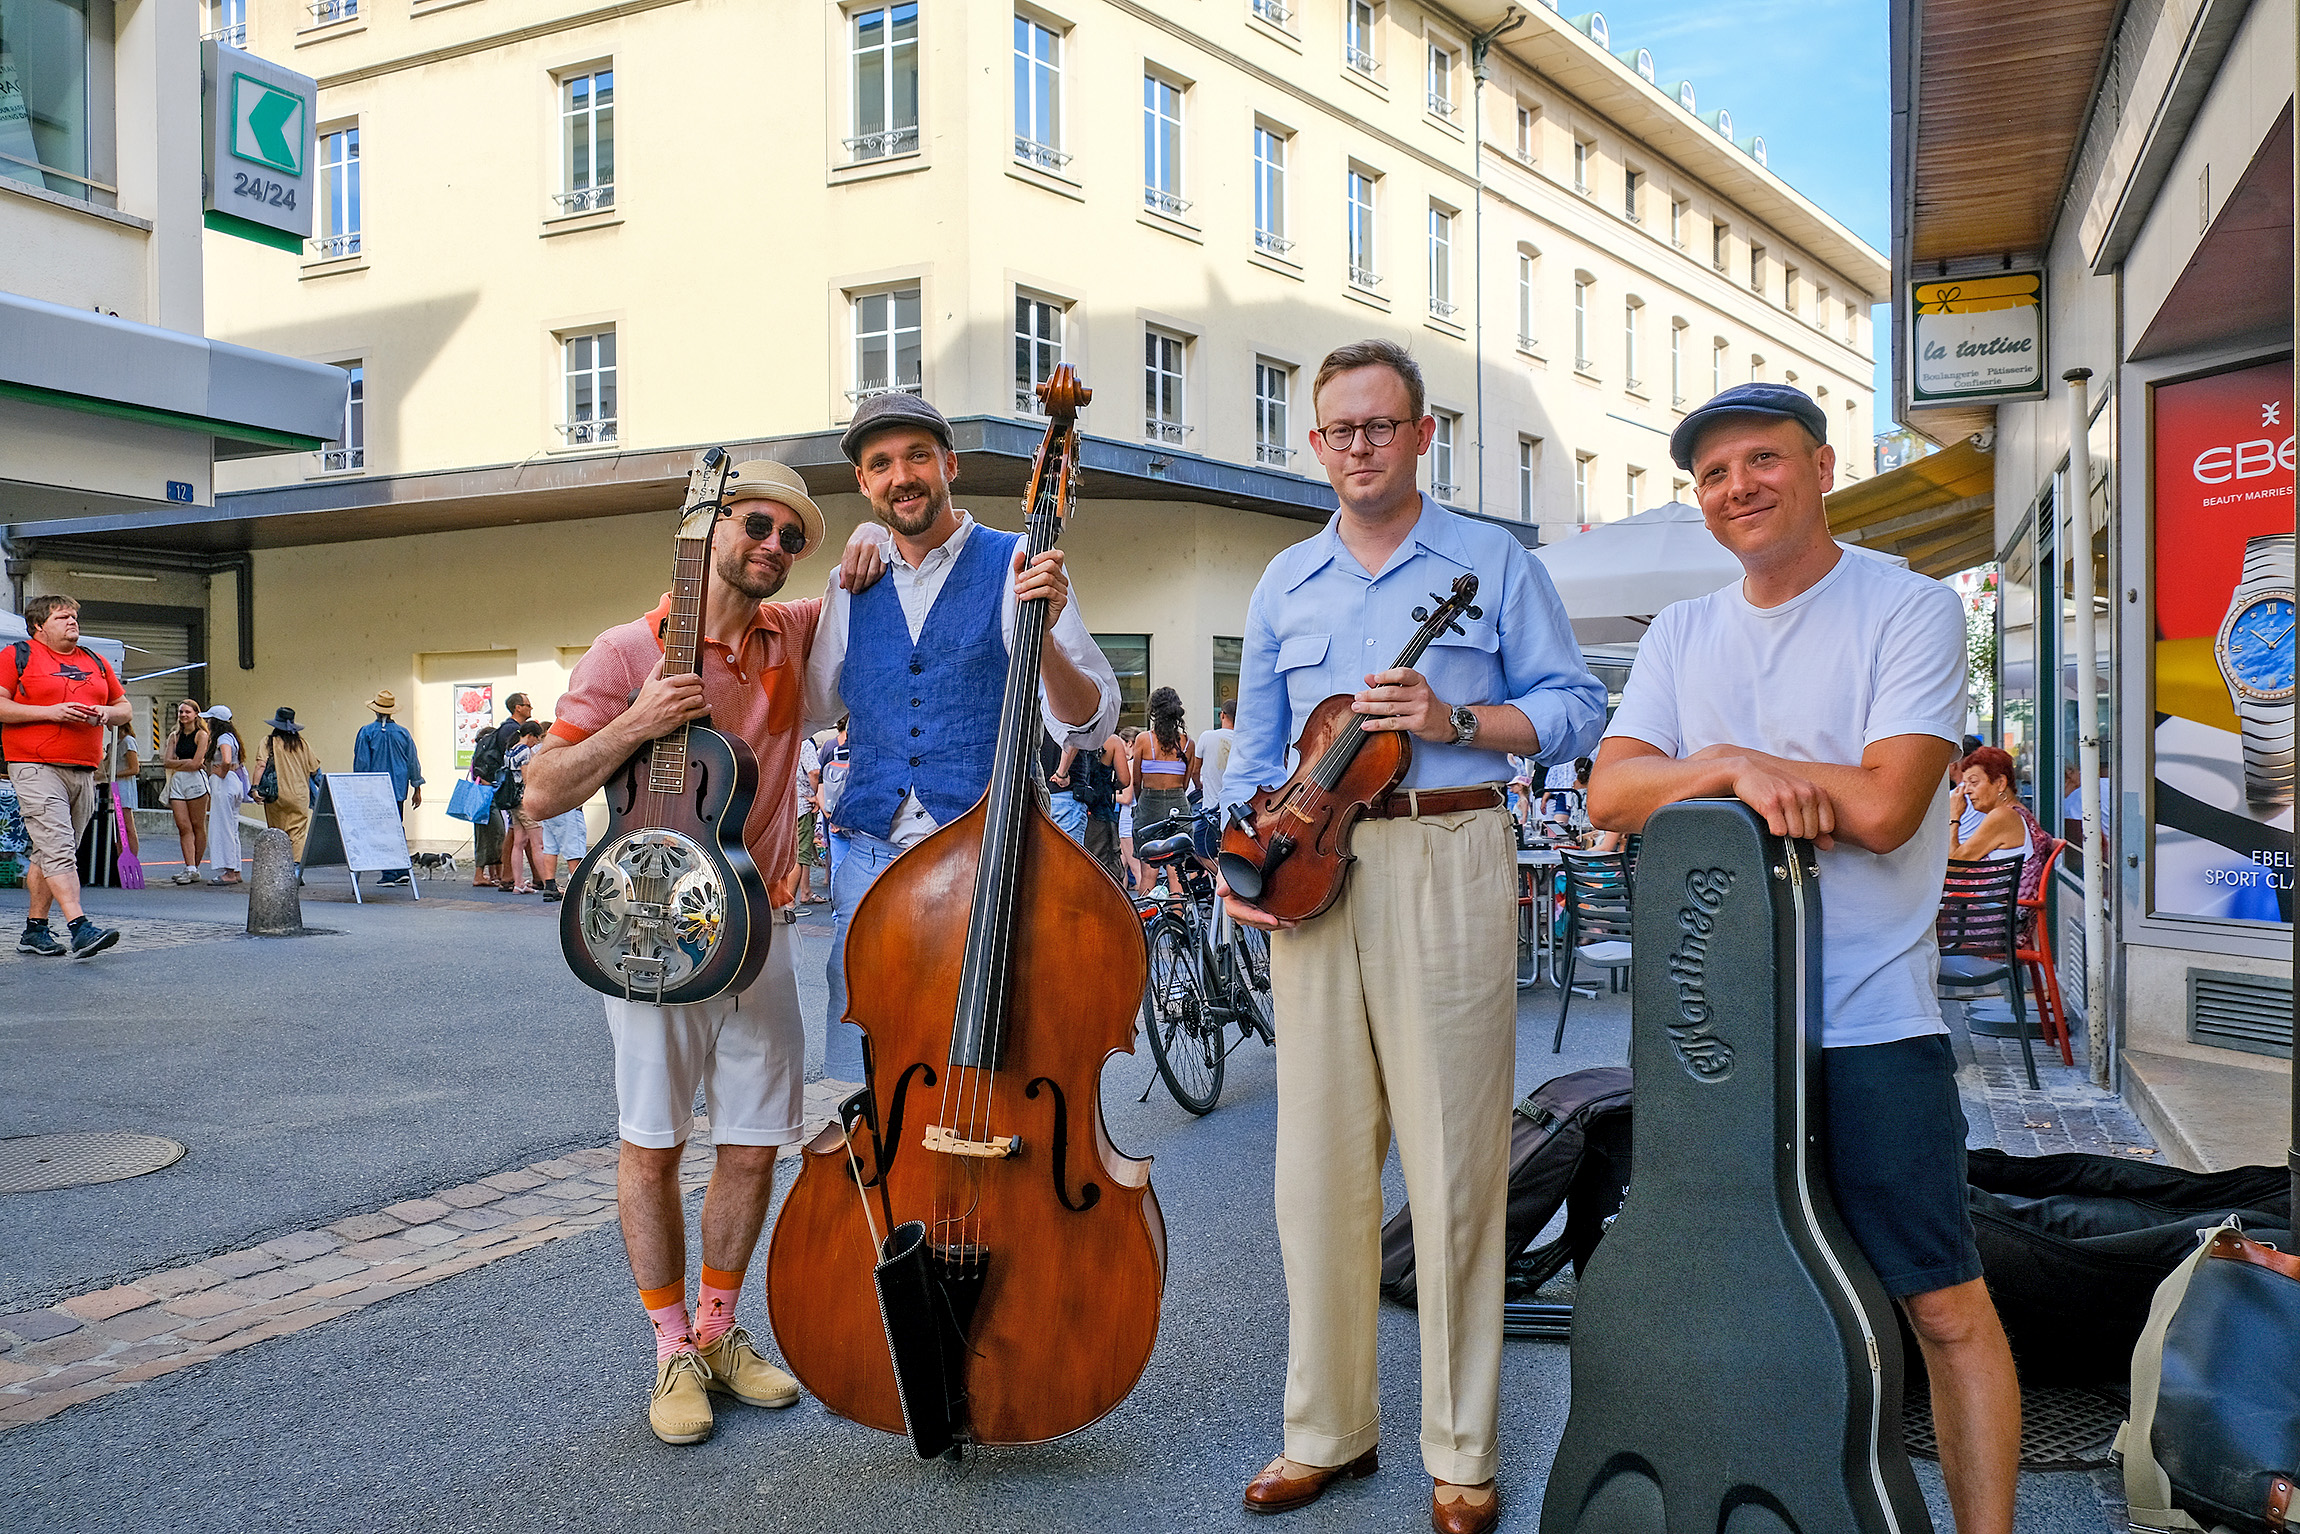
<point x="1810" y="76"/>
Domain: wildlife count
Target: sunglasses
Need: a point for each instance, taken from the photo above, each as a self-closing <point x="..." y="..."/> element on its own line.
<point x="759" y="527"/>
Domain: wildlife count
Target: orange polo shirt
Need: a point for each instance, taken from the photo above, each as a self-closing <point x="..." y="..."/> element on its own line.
<point x="755" y="691"/>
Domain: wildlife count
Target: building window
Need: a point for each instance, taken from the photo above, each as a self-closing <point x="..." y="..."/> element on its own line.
<point x="1633" y="378"/>
<point x="1632" y="182"/>
<point x="1362" y="251"/>
<point x="1162" y="146"/>
<point x="1757" y="269"/>
<point x="587" y="141"/>
<point x="326" y="11"/>
<point x="1038" y="95"/>
<point x="1229" y="659"/>
<point x="1441" y="82"/>
<point x="1129" y="656"/>
<point x="1581" y="467"/>
<point x="588" y="366"/>
<point x="1441" y="264"/>
<point x="231" y="23"/>
<point x="1528" y="474"/>
<point x="887" y="343"/>
<point x="1527" y="119"/>
<point x="1717" y="351"/>
<point x="1820" y="306"/>
<point x="1676" y="362"/>
<point x="55" y="131"/>
<point x="1273" y="385"/>
<point x="1756" y="368"/>
<point x="1581" y="148"/>
<point x="1272" y="11"/>
<point x="1720" y="251"/>
<point x="1359" y="25"/>
<point x="1636" y="491"/>
<point x="1443" y="485"/>
<point x="886" y="82"/>
<point x="1581" y="286"/>
<point x="336" y="228"/>
<point x="1679" y="489"/>
<point x="1677" y="223"/>
<point x="1270" y="191"/>
<point x="348" y="450"/>
<point x="1162" y="379"/>
<point x="1037" y="348"/>
<point x="1789" y="288"/>
<point x="1526" y="331"/>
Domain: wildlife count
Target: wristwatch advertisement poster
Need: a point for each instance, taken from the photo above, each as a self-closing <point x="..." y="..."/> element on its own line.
<point x="2224" y="609"/>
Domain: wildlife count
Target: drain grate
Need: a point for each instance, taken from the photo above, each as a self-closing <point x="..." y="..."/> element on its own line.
<point x="37" y="1163"/>
<point x="2062" y="1427"/>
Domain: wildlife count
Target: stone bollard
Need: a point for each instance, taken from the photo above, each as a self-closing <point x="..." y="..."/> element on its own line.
<point x="274" y="908"/>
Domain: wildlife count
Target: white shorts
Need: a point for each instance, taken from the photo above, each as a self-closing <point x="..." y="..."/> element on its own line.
<point x="747" y="1051"/>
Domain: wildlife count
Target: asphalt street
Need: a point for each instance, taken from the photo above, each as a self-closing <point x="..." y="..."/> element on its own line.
<point x="426" y="1045"/>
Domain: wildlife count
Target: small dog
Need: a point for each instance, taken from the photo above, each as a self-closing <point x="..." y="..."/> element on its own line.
<point x="434" y="864"/>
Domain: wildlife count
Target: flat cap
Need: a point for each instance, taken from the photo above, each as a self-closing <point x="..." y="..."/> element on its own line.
<point x="886" y="412"/>
<point x="1748" y="399"/>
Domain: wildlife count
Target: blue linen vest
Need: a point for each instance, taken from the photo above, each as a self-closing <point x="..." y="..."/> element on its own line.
<point x="923" y="717"/>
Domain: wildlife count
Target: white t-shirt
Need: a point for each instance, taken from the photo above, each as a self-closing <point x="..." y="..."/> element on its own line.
<point x="1213" y="756"/>
<point x="1869" y="652"/>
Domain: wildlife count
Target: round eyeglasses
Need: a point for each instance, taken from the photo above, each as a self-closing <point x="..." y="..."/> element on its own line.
<point x="759" y="527"/>
<point x="1340" y="434"/>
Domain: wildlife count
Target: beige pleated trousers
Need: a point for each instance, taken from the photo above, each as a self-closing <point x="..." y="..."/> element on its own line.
<point x="1397" y="1012"/>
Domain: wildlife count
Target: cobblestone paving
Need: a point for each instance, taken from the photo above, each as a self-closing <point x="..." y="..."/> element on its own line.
<point x="138" y="935"/>
<point x="115" y="1339"/>
<point x="2066" y="1113"/>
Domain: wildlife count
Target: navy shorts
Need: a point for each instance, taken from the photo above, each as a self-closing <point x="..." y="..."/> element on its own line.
<point x="1897" y="1161"/>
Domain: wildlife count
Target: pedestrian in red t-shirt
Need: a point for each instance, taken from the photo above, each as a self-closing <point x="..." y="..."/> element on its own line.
<point x="55" y="699"/>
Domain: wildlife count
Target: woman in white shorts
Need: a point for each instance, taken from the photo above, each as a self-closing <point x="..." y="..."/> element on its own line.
<point x="186" y="758"/>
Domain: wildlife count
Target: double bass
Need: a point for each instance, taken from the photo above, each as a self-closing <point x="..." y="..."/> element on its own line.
<point x="966" y="1256"/>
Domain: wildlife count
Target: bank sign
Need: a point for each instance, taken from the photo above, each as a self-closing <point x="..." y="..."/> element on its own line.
<point x="260" y="173"/>
<point x="1977" y="339"/>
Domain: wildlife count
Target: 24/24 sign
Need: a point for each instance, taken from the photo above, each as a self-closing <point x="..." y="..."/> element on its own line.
<point x="257" y="147"/>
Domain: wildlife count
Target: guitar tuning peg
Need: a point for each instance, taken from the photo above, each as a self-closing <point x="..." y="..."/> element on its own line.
<point x="1474" y="612"/>
<point x="1421" y="615"/>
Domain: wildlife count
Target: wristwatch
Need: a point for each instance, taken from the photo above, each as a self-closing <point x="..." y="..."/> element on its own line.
<point x="1465" y="717"/>
<point x="2254" y="650"/>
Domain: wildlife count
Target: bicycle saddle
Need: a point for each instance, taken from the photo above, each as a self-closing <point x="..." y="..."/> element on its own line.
<point x="1736" y="1365"/>
<point x="1165" y="851"/>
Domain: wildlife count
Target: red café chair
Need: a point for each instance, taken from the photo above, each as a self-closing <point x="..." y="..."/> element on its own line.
<point x="2035" y="955"/>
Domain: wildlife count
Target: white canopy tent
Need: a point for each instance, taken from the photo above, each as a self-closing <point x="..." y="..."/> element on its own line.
<point x="1615" y="577"/>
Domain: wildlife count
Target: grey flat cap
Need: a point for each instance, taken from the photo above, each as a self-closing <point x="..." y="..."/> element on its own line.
<point x="1748" y="399"/>
<point x="885" y="412"/>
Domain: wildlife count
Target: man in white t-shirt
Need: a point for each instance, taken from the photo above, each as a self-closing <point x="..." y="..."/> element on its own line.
<point x="1827" y="692"/>
<point x="1213" y="757"/>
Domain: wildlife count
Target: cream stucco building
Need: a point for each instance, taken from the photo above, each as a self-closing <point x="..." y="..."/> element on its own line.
<point x="561" y="247"/>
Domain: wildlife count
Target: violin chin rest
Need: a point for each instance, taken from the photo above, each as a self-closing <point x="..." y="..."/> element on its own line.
<point x="1242" y="876"/>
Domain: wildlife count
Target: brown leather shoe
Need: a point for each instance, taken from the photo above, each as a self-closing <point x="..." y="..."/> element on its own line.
<point x="1464" y="1517"/>
<point x="1273" y="1491"/>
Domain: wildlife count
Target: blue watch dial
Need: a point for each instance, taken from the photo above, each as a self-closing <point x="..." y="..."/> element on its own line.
<point x="2259" y="646"/>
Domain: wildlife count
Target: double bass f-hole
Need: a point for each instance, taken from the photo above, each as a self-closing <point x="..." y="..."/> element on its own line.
<point x="1088" y="1194"/>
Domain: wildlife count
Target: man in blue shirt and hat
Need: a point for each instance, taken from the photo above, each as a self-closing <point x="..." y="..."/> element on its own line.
<point x="386" y="746"/>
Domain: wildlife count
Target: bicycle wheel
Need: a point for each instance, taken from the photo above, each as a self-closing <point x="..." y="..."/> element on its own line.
<point x="1249" y="967"/>
<point x="1187" y="1048"/>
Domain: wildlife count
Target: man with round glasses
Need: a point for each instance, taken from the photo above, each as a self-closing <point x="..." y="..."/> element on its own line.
<point x="746" y="1050"/>
<point x="1397" y="1007"/>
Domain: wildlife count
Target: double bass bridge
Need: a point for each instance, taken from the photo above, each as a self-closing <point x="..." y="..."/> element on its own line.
<point x="947" y="1142"/>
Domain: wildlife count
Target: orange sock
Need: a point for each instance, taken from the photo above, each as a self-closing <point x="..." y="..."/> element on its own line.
<point x="715" y="1304"/>
<point x="667" y="1308"/>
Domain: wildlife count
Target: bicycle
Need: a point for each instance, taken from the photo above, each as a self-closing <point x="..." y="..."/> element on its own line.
<point x="1206" y="971"/>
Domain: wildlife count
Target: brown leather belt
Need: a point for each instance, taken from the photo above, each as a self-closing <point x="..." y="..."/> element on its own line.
<point x="1412" y="804"/>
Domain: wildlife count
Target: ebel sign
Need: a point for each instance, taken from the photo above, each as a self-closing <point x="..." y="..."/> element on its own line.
<point x="1976" y="340"/>
<point x="260" y="172"/>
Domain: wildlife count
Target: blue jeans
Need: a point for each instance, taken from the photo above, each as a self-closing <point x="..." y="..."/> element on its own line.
<point x="1069" y="814"/>
<point x="854" y="869"/>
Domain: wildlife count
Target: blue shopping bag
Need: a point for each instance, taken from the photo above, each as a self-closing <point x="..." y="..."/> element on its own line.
<point x="472" y="800"/>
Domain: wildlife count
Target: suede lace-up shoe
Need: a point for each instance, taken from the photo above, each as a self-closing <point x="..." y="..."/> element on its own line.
<point x="681" y="1409"/>
<point x="738" y="1370"/>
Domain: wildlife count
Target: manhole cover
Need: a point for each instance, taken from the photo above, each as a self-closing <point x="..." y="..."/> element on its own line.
<point x="2062" y="1427"/>
<point x="35" y="1163"/>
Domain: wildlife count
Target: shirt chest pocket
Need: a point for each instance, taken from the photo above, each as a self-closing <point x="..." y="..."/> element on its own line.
<point x="1299" y="659"/>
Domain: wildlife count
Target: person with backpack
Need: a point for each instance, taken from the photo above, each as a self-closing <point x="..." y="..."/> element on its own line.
<point x="1093" y="782"/>
<point x="55" y="699"/>
<point x="488" y="755"/>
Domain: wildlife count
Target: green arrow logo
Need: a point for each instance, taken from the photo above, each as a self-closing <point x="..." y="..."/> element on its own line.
<point x="267" y="125"/>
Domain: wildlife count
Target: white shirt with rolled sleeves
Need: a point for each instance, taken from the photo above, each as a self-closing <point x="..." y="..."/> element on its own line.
<point x="1318" y="625"/>
<point x="1870" y="651"/>
<point x="917" y="588"/>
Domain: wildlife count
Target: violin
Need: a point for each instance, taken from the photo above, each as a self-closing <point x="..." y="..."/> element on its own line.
<point x="965" y="1256"/>
<point x="1287" y="850"/>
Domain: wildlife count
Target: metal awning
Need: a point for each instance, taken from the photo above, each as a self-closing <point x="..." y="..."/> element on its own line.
<point x="1938" y="513"/>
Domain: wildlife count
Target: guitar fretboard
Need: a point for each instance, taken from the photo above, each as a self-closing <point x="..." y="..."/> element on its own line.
<point x="682" y="631"/>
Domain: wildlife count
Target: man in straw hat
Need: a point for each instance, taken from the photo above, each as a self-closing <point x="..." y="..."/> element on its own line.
<point x="746" y="1050"/>
<point x="385" y="746"/>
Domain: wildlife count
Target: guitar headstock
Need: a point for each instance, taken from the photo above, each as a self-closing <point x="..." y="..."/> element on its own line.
<point x="706" y="492"/>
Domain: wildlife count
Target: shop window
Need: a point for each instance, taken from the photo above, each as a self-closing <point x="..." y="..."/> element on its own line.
<point x="1129" y="656"/>
<point x="1229" y="652"/>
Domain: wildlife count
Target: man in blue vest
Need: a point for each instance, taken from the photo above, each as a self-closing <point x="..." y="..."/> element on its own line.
<point x="918" y="664"/>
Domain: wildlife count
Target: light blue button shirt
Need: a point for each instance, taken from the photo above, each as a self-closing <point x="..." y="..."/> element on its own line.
<point x="1318" y="624"/>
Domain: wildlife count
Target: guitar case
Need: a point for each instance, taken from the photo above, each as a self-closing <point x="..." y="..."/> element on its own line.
<point x="1736" y="1365"/>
